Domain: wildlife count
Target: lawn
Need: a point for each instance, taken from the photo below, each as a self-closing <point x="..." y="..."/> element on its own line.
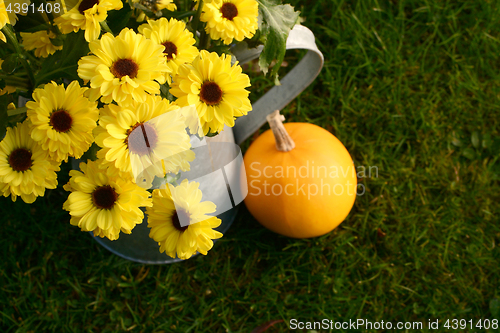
<point x="412" y="90"/>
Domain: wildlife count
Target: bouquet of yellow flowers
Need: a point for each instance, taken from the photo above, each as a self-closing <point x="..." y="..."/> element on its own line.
<point x="123" y="86"/>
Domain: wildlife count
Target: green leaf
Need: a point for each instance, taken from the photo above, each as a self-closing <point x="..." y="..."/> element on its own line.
<point x="58" y="41"/>
<point x="475" y="139"/>
<point x="469" y="153"/>
<point x="495" y="308"/>
<point x="486" y="142"/>
<point x="275" y="23"/>
<point x="456" y="141"/>
<point x="64" y="63"/>
<point x="32" y="22"/>
<point x="10" y="63"/>
<point x="91" y="153"/>
<point x="4" y="102"/>
<point x="118" y="19"/>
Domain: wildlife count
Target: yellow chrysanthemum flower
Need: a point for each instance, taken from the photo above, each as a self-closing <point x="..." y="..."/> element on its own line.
<point x="216" y="88"/>
<point x="40" y="42"/>
<point x="166" y="4"/>
<point x="137" y="137"/>
<point x="104" y="203"/>
<point x="179" y="221"/>
<point x="62" y="120"/>
<point x="9" y="9"/>
<point x="25" y="168"/>
<point x="4" y="19"/>
<point x="9" y="16"/>
<point x="230" y="19"/>
<point x="7" y="90"/>
<point x="86" y="15"/>
<point x="123" y="68"/>
<point x="177" y="40"/>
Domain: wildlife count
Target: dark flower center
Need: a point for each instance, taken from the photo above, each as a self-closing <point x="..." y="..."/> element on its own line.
<point x="104" y="197"/>
<point x="123" y="67"/>
<point x="61" y="121"/>
<point x="20" y="160"/>
<point x="170" y="50"/>
<point x="229" y="11"/>
<point x="141" y="138"/>
<point x="87" y="4"/>
<point x="180" y="215"/>
<point x="210" y="93"/>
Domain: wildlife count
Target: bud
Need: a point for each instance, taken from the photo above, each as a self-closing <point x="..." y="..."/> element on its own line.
<point x="10" y="63"/>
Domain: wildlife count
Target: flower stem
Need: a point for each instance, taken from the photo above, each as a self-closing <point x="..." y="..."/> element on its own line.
<point x="11" y="36"/>
<point x="14" y="81"/>
<point x="203" y="40"/>
<point x="185" y="14"/>
<point x="45" y="14"/>
<point x="13" y="112"/>
<point x="196" y="18"/>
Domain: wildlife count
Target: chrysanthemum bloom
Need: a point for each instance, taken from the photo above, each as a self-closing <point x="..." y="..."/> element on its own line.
<point x="138" y="136"/>
<point x="215" y="87"/>
<point x="40" y="42"/>
<point x="86" y="15"/>
<point x="4" y="19"/>
<point x="62" y="120"/>
<point x="179" y="221"/>
<point x="177" y="40"/>
<point x="25" y="168"/>
<point x="166" y="4"/>
<point x="230" y="19"/>
<point x="9" y="16"/>
<point x="104" y="203"/>
<point x="123" y="68"/>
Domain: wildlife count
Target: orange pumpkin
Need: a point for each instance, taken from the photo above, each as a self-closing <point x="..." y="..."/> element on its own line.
<point x="301" y="179"/>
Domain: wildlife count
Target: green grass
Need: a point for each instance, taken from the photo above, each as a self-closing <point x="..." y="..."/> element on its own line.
<point x="408" y="86"/>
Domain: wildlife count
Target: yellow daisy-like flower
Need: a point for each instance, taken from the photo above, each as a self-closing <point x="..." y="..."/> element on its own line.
<point x="177" y="40"/>
<point x="137" y="137"/>
<point x="166" y="4"/>
<point x="216" y="88"/>
<point x="86" y="15"/>
<point x="104" y="203"/>
<point x="4" y="19"/>
<point x="179" y="221"/>
<point x="123" y="68"/>
<point x="9" y="16"/>
<point x="62" y="120"/>
<point x="40" y="42"/>
<point x="230" y="19"/>
<point x="9" y="9"/>
<point x="25" y="168"/>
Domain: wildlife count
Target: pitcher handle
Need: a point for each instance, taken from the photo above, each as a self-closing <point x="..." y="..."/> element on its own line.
<point x="298" y="79"/>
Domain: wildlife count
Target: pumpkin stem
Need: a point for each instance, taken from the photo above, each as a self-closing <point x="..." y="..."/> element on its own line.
<point x="283" y="140"/>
